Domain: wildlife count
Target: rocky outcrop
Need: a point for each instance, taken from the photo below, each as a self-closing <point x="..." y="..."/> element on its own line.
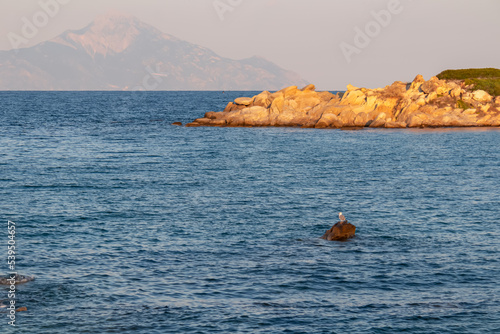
<point x="340" y="231"/>
<point x="420" y="103"/>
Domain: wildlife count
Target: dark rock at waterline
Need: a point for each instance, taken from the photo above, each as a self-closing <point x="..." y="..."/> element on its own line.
<point x="17" y="279"/>
<point x="5" y="304"/>
<point x="177" y="123"/>
<point x="340" y="231"/>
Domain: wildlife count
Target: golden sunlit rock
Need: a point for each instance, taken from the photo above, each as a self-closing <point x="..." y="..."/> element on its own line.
<point x="432" y="103"/>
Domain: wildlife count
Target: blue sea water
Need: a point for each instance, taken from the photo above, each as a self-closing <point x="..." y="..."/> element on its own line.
<point x="132" y="225"/>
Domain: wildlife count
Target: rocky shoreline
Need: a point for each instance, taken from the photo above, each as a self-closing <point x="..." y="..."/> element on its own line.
<point x="418" y="104"/>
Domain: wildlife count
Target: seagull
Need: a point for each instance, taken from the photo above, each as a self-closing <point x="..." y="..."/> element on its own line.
<point x="342" y="218"/>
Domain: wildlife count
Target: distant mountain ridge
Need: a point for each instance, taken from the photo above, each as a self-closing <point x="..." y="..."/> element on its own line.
<point x="119" y="52"/>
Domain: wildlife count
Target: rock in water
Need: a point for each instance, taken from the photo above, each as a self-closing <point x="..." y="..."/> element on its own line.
<point x="17" y="279"/>
<point x="340" y="231"/>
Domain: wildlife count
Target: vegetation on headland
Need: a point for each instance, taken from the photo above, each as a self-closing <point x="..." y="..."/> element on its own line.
<point x="492" y="86"/>
<point x="470" y="73"/>
<point x="487" y="79"/>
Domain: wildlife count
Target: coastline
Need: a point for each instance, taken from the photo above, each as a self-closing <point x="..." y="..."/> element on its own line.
<point x="418" y="104"/>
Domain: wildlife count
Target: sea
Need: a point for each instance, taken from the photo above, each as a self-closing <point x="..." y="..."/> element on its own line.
<point x="132" y="225"/>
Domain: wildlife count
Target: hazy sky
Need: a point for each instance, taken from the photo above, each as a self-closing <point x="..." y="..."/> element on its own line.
<point x="328" y="42"/>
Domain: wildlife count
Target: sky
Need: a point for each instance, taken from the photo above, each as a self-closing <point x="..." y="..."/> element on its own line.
<point x="331" y="43"/>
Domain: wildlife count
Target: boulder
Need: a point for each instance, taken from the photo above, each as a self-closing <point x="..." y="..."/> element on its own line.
<point x="419" y="79"/>
<point x="353" y="97"/>
<point x="361" y="119"/>
<point x="229" y="106"/>
<point x="395" y="125"/>
<point x="309" y="87"/>
<point x="432" y="85"/>
<point x="340" y="231"/>
<point x="347" y="116"/>
<point x="416" y="120"/>
<point x="431" y="97"/>
<point x="351" y="88"/>
<point x="244" y="101"/>
<point x="263" y="100"/>
<point x="328" y="97"/>
<point x="289" y="91"/>
<point x="276" y="109"/>
<point x="417" y="82"/>
<point x="177" y="123"/>
<point x="485" y="107"/>
<point x="302" y="101"/>
<point x="456" y="92"/>
<point x="291" y="119"/>
<point x="329" y="121"/>
<point x="255" y="116"/>
<point x="213" y="115"/>
<point x="481" y="96"/>
<point x="378" y="123"/>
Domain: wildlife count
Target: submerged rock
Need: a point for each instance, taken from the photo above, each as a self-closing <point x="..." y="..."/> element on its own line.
<point x="340" y="231"/>
<point x="17" y="279"/>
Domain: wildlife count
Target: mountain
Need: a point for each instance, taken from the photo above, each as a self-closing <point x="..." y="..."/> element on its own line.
<point x="119" y="52"/>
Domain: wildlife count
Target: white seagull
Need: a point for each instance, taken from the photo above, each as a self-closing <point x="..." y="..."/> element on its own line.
<point x="342" y="218"/>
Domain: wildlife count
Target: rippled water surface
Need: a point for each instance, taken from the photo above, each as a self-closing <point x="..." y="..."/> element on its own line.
<point x="132" y="225"/>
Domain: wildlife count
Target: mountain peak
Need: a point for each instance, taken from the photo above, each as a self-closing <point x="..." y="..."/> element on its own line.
<point x="114" y="20"/>
<point x="118" y="52"/>
<point x="113" y="33"/>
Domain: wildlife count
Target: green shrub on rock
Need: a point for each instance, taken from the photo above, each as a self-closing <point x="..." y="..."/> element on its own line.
<point x="487" y="79"/>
